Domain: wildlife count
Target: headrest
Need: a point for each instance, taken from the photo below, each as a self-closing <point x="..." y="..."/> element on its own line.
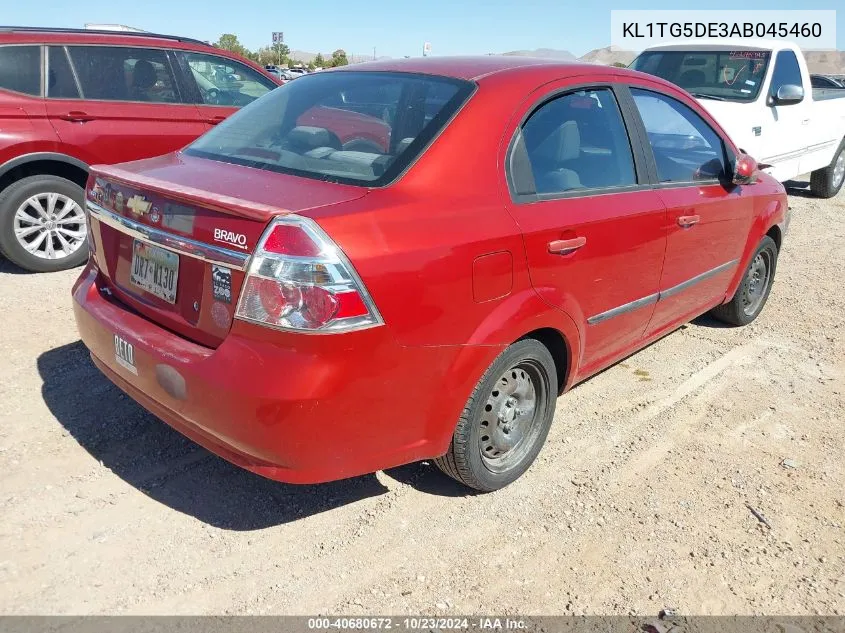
<point x="308" y="137"/>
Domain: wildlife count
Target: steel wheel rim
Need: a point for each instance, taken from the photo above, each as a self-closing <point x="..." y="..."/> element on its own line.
<point x="839" y="169"/>
<point x="756" y="282"/>
<point x="512" y="417"/>
<point x="50" y="226"/>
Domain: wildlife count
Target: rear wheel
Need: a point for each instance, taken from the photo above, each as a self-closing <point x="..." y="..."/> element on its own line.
<point x="42" y="224"/>
<point x="506" y="419"/>
<point x="754" y="289"/>
<point x="826" y="183"/>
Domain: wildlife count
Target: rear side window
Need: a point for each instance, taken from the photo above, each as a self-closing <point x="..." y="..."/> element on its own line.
<point x="787" y="71"/>
<point x="60" y="81"/>
<point x="685" y="147"/>
<point x="113" y="73"/>
<point x="349" y="126"/>
<point x="20" y="69"/>
<point x="578" y="141"/>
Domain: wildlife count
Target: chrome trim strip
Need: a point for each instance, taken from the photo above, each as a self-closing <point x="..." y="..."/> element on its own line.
<point x="798" y="153"/>
<point x="691" y="282"/>
<point x="180" y="245"/>
<point x="625" y="307"/>
<point x="659" y="296"/>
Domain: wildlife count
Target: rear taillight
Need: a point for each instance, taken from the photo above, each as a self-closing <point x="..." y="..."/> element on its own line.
<point x="298" y="279"/>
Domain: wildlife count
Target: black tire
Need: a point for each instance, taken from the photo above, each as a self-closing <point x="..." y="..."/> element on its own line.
<point x="12" y="197"/>
<point x="826" y="182"/>
<point x="739" y="310"/>
<point x="466" y="460"/>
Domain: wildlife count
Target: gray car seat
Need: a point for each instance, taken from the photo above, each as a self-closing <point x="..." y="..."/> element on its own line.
<point x="562" y="145"/>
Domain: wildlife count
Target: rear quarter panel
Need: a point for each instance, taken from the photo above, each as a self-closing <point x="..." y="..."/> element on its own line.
<point x="24" y="128"/>
<point x="416" y="245"/>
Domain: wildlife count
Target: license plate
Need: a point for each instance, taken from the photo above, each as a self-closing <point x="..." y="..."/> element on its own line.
<point x="124" y="354"/>
<point x="155" y="269"/>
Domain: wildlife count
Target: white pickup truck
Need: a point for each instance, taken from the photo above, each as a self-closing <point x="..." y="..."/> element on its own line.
<point x="761" y="93"/>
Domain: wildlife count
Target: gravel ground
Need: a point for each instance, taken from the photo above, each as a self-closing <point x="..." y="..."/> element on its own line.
<point x="640" y="500"/>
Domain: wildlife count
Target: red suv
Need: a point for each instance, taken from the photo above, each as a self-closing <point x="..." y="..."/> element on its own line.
<point x="504" y="229"/>
<point x="72" y="98"/>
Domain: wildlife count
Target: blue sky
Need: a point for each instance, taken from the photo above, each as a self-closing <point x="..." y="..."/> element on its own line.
<point x="394" y="27"/>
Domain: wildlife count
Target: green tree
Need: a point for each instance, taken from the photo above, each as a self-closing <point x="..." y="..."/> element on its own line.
<point x="229" y="42"/>
<point x="619" y="65"/>
<point x="311" y="65"/>
<point x="282" y="52"/>
<point x="266" y="55"/>
<point x="339" y="58"/>
<point x="319" y="61"/>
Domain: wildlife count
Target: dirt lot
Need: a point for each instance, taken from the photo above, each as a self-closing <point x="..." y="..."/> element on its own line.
<point x="638" y="501"/>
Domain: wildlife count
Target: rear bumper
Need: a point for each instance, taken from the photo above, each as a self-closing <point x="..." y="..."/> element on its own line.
<point x="291" y="407"/>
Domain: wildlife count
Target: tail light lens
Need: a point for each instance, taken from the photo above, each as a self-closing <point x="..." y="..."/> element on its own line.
<point x="298" y="279"/>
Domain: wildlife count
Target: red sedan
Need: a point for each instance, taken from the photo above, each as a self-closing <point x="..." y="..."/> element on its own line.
<point x="311" y="312"/>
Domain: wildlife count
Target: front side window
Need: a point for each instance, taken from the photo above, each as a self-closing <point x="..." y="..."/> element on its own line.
<point x="224" y="82"/>
<point x="578" y="141"/>
<point x="115" y="73"/>
<point x="787" y="71"/>
<point x="729" y="75"/>
<point x="685" y="147"/>
<point x="20" y="69"/>
<point x="348" y="126"/>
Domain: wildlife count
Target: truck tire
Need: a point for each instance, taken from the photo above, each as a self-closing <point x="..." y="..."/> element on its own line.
<point x="506" y="419"/>
<point x="753" y="291"/>
<point x="42" y="223"/>
<point x="826" y="182"/>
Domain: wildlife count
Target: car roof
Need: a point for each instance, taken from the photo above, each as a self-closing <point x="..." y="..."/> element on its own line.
<point x="470" y="68"/>
<point x="31" y="33"/>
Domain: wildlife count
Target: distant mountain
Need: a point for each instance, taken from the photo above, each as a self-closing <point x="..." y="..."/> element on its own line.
<point x="826" y="62"/>
<point x="608" y="55"/>
<point x="822" y="62"/>
<point x="549" y="53"/>
<point x="306" y="57"/>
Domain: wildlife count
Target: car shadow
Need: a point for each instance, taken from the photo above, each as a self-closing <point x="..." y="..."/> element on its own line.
<point x="160" y="462"/>
<point x="8" y="268"/>
<point x="706" y="320"/>
<point x="798" y="188"/>
<point x="426" y="477"/>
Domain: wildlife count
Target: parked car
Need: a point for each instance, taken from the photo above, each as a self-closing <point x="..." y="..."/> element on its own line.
<point x="276" y="72"/>
<point x="310" y="312"/>
<point x="761" y="92"/>
<point x="106" y="97"/>
<point x="825" y="81"/>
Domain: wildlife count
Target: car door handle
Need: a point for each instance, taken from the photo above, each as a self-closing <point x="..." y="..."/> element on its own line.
<point x="76" y="116"/>
<point x="564" y="247"/>
<point x="215" y="120"/>
<point x="687" y="221"/>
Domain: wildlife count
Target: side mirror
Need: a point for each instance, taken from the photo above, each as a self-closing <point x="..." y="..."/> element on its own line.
<point x="745" y="170"/>
<point x="788" y="94"/>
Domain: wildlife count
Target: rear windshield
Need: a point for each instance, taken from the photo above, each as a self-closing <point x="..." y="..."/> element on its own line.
<point x="350" y="126"/>
<point x="719" y="75"/>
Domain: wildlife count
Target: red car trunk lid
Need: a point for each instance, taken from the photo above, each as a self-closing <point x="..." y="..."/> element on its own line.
<point x="172" y="236"/>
